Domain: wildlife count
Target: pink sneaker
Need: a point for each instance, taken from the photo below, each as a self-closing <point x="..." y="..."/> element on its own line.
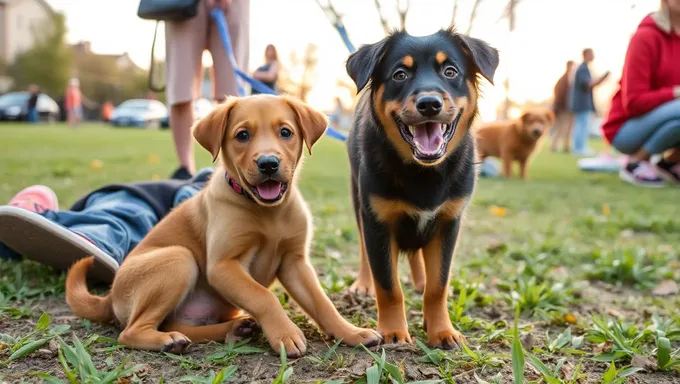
<point x="36" y="198"/>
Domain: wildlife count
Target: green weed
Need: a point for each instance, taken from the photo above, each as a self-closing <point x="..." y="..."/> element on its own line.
<point x="78" y="367"/>
<point x="626" y="340"/>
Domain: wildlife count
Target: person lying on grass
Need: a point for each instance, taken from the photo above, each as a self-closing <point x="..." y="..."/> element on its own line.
<point x="106" y="223"/>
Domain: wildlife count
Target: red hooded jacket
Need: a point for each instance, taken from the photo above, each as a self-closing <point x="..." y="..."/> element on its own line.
<point x="650" y="73"/>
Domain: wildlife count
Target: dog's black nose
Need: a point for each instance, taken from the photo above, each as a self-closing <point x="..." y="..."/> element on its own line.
<point x="537" y="132"/>
<point x="268" y="165"/>
<point x="429" y="105"/>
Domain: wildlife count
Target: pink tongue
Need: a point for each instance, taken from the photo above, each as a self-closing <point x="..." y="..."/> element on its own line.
<point x="269" y="190"/>
<point x="428" y="138"/>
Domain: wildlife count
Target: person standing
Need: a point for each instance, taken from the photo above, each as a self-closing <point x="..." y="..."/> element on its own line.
<point x="32" y="104"/>
<point x="583" y="103"/>
<point x="644" y="117"/>
<point x="73" y="102"/>
<point x="564" y="118"/>
<point x="185" y="42"/>
<point x="269" y="72"/>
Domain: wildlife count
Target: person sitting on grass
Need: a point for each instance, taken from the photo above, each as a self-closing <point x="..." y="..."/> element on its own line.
<point x="107" y="223"/>
<point x="644" y="118"/>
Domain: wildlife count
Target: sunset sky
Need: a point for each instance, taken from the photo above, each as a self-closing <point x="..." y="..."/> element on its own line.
<point x="548" y="33"/>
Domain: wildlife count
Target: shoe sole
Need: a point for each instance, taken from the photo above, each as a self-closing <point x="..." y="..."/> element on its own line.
<point x="39" y="239"/>
<point x="666" y="175"/>
<point x="627" y="177"/>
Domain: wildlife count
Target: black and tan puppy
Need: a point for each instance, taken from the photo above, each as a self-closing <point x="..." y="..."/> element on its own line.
<point x="412" y="159"/>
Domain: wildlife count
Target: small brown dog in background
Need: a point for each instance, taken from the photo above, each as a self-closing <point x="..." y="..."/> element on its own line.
<point x="203" y="272"/>
<point x="514" y="140"/>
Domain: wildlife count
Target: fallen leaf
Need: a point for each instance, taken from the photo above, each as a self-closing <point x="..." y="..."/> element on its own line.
<point x="665" y="288"/>
<point x="498" y="211"/>
<point x="96" y="164"/>
<point x="153" y="158"/>
<point x="429" y="371"/>
<point x="614" y="313"/>
<point x="569" y="318"/>
<point x="644" y="362"/>
<point x="527" y="341"/>
<point x="606" y="210"/>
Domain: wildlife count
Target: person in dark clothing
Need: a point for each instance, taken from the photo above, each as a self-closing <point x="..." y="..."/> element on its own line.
<point x="583" y="103"/>
<point x="32" y="105"/>
<point x="269" y="72"/>
<point x="107" y="223"/>
<point x="562" y="109"/>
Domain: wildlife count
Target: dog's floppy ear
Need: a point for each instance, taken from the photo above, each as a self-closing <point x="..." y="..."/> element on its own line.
<point x="361" y="64"/>
<point x="482" y="55"/>
<point x="312" y="122"/>
<point x="210" y="130"/>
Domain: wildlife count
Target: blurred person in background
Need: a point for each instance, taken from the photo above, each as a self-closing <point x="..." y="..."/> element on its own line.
<point x="32" y="104"/>
<point x="269" y="72"/>
<point x="185" y="42"/>
<point x="107" y="110"/>
<point x="583" y="103"/>
<point x="73" y="102"/>
<point x="644" y="117"/>
<point x="564" y="118"/>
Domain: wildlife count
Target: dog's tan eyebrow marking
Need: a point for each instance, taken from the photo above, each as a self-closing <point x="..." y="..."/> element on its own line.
<point x="407" y="61"/>
<point x="440" y="57"/>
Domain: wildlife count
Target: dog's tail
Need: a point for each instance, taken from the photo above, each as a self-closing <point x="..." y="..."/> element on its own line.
<point x="82" y="302"/>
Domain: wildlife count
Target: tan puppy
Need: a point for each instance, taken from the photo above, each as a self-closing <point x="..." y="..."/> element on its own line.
<point x="514" y="140"/>
<point x="218" y="252"/>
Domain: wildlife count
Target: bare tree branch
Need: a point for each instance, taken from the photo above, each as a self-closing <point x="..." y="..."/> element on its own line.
<point x="402" y="8"/>
<point x="383" y="20"/>
<point x="455" y="12"/>
<point x="473" y="14"/>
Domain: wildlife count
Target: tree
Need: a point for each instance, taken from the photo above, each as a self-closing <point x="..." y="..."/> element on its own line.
<point x="48" y="62"/>
<point x="299" y="77"/>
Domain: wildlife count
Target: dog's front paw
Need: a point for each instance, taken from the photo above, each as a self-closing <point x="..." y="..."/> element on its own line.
<point x="396" y="336"/>
<point x="242" y="328"/>
<point x="289" y="335"/>
<point x="354" y="336"/>
<point x="445" y="339"/>
<point x="362" y="288"/>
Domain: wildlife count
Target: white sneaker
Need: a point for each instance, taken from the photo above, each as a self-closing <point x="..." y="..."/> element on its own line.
<point x="641" y="173"/>
<point x="39" y="239"/>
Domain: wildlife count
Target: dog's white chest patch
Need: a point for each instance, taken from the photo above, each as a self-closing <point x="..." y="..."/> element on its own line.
<point x="424" y="219"/>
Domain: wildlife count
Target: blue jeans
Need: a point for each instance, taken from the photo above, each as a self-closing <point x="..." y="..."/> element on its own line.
<point x="32" y="115"/>
<point x="114" y="221"/>
<point x="656" y="131"/>
<point x="581" y="130"/>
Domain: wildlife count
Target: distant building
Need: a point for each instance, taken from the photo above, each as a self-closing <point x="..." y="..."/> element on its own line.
<point x="18" y="21"/>
<point x="122" y="61"/>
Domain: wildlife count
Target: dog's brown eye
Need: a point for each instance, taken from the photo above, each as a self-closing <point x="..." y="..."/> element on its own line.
<point x="243" y="136"/>
<point x="399" y="75"/>
<point x="286" y="133"/>
<point x="450" y="72"/>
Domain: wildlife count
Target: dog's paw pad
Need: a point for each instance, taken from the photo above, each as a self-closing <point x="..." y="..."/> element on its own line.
<point x="361" y="288"/>
<point x="178" y="344"/>
<point x="447" y="340"/>
<point x="399" y="336"/>
<point x="246" y="328"/>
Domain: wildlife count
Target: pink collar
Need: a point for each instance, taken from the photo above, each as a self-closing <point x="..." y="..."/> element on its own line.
<point x="236" y="186"/>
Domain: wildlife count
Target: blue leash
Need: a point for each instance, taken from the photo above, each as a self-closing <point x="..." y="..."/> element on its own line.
<point x="259" y="86"/>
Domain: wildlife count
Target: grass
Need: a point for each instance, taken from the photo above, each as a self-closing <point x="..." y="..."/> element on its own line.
<point x="576" y="254"/>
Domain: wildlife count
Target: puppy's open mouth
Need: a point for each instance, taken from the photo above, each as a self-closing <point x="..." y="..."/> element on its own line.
<point x="269" y="191"/>
<point x="428" y="140"/>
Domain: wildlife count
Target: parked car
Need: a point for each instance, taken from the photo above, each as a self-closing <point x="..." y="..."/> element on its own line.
<point x="14" y="107"/>
<point x="140" y="113"/>
<point x="202" y="107"/>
